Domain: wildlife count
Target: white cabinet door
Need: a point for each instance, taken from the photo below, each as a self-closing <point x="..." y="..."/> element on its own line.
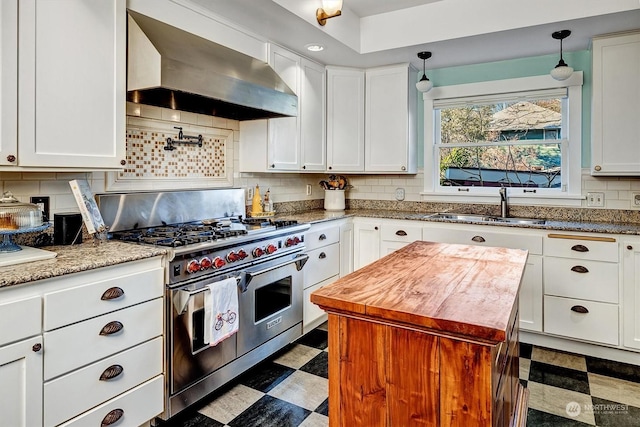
<point x="390" y="126"/>
<point x="21" y="379"/>
<point x="631" y="293"/>
<point x="72" y="83"/>
<point x="312" y="116"/>
<point x="366" y="242"/>
<point x="284" y="135"/>
<point x="531" y="295"/>
<point x="346" y="248"/>
<point x="345" y="119"/>
<point x="615" y="132"/>
<point x="8" y="82"/>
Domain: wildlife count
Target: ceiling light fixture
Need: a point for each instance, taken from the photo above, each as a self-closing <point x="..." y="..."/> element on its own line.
<point x="314" y="47"/>
<point x="424" y="85"/>
<point x="561" y="71"/>
<point x="329" y="9"/>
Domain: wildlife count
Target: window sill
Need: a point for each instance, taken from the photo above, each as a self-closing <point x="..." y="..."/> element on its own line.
<point x="564" y="200"/>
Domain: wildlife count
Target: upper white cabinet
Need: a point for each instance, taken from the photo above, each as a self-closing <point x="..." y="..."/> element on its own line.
<point x="371" y="124"/>
<point x="390" y="122"/>
<point x="345" y="119"/>
<point x="289" y="143"/>
<point x="615" y="134"/>
<point x="71" y="62"/>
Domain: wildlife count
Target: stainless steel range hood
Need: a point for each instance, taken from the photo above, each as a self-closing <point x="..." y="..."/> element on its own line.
<point x="169" y="67"/>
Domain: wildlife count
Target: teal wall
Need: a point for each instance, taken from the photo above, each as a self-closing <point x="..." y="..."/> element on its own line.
<point x="513" y="68"/>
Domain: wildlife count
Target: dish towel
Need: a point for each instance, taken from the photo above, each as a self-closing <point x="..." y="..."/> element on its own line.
<point x="220" y="311"/>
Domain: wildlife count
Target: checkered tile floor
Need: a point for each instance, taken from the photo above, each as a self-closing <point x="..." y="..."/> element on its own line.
<point x="291" y="389"/>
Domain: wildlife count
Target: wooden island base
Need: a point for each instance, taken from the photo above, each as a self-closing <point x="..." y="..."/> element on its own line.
<point x="392" y="367"/>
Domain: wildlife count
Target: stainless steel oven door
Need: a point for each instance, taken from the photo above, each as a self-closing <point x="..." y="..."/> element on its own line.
<point x="190" y="358"/>
<point x="270" y="300"/>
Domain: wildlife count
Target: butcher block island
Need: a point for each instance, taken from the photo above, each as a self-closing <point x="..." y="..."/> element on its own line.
<point x="427" y="336"/>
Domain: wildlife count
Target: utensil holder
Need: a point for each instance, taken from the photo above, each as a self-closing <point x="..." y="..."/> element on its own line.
<point x="334" y="200"/>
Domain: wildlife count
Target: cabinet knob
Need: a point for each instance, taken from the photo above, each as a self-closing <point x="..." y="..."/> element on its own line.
<point x="322" y="237"/>
<point x="11" y="158"/>
<point x="330" y="168"/>
<point x="579" y="269"/>
<point x="629" y="247"/>
<point x="304" y="166"/>
<point x="36" y="347"/>
<point x="478" y="239"/>
<point x="580" y="309"/>
<point x="111" y="328"/>
<point x="322" y="255"/>
<point x="273" y="166"/>
<point x="111" y="372"/>
<point x="123" y="162"/>
<point x="401" y="233"/>
<point x="112" y="293"/>
<point x="598" y="168"/>
<point x="579" y="248"/>
<point x="112" y="417"/>
<point x="403" y="168"/>
<point x="375" y="228"/>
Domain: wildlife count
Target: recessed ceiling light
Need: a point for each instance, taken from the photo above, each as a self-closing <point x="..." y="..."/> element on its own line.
<point x="314" y="47"/>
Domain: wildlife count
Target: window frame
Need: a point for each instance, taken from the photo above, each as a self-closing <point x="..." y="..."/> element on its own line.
<point x="572" y="130"/>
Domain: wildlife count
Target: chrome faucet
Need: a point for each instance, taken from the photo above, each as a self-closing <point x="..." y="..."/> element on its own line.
<point x="504" y="207"/>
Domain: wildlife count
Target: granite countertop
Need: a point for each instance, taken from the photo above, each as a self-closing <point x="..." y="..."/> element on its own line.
<point x="76" y="258"/>
<point x="316" y="216"/>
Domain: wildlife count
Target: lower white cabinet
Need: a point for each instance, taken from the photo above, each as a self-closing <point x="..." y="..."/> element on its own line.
<point x="530" y="298"/>
<point x="397" y="234"/>
<point x="366" y="241"/>
<point x="21" y="379"/>
<point x="631" y="293"/>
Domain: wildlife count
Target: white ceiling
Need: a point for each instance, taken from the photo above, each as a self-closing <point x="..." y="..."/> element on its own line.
<point x="458" y="32"/>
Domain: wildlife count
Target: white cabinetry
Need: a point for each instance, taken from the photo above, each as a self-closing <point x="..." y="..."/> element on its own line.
<point x="21" y="362"/>
<point x="397" y="234"/>
<point x="323" y="247"/>
<point x="581" y="287"/>
<point x="366" y="241"/>
<point x="531" y="287"/>
<point x="71" y="63"/>
<point x="631" y="293"/>
<point x="346" y="247"/>
<point x="289" y="143"/>
<point x="615" y="132"/>
<point x="345" y="119"/>
<point x="371" y="124"/>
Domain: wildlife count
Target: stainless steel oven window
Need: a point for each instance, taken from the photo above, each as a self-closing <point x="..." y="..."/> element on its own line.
<point x="272" y="298"/>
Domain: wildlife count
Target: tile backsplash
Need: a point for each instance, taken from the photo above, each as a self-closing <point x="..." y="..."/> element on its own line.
<point x="216" y="165"/>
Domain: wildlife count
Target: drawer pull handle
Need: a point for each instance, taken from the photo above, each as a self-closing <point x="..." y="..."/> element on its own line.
<point x="579" y="309"/>
<point x="322" y="237"/>
<point x="36" y="347"/>
<point x="322" y="255"/>
<point x="112" y="293"/>
<point x="112" y="417"/>
<point x="112" y="328"/>
<point x="579" y="269"/>
<point x="478" y="239"/>
<point x="579" y="248"/>
<point x="401" y="233"/>
<point x="111" y="372"/>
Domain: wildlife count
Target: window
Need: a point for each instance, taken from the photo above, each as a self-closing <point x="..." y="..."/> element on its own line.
<point x="523" y="134"/>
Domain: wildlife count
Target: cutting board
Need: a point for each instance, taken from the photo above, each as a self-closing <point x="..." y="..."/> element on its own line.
<point x="27" y="254"/>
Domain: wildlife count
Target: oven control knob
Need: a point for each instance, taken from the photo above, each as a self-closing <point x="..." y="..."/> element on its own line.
<point x="296" y="240"/>
<point x="205" y="263"/>
<point x="218" y="262"/>
<point x="257" y="252"/>
<point x="193" y="266"/>
<point x="242" y="254"/>
<point x="289" y="242"/>
<point x="232" y="257"/>
<point x="271" y="248"/>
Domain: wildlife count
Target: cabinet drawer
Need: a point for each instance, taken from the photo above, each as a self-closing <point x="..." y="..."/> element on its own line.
<point x="324" y="236"/>
<point x="581" y="249"/>
<point x="484" y="238"/>
<point x="583" y="279"/>
<point x="312" y="312"/>
<point x="80" y="344"/>
<point x="82" y="302"/>
<point x="323" y="263"/>
<point x="600" y="324"/>
<point x="21" y="319"/>
<point x="138" y="406"/>
<point x="400" y="233"/>
<point x="73" y="394"/>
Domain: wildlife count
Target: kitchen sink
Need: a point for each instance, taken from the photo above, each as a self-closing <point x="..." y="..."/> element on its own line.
<point x="485" y="218"/>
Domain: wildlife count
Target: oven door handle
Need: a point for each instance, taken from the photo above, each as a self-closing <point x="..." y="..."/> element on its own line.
<point x="300" y="260"/>
<point x="181" y="299"/>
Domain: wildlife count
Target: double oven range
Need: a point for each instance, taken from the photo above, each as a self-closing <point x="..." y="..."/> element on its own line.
<point x="207" y="244"/>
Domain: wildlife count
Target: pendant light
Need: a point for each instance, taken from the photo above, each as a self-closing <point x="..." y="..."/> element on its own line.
<point x="424" y="85"/>
<point x="561" y="71"/>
